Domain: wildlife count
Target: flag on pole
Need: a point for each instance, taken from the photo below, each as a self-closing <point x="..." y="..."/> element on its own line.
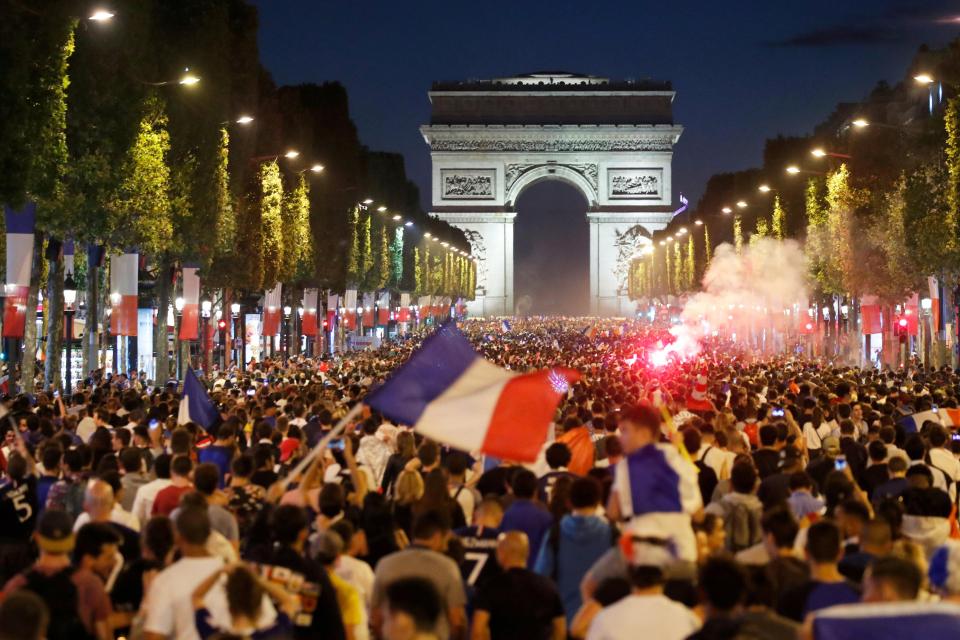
<point x="308" y="323"/>
<point x="190" y="316"/>
<point x="195" y="405"/>
<point x="271" y="311"/>
<point x="451" y="394"/>
<point x="124" y="270"/>
<point x="887" y="621"/>
<point x="505" y="326"/>
<point x="20" y="238"/>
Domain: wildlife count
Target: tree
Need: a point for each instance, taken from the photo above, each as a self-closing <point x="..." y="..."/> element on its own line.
<point x="708" y="250"/>
<point x="678" y="270"/>
<point x="353" y="248"/>
<point x="271" y="220"/>
<point x="417" y="272"/>
<point x="762" y="230"/>
<point x="691" y="264"/>
<point x="223" y="198"/>
<point x="952" y="213"/>
<point x="296" y="230"/>
<point x="778" y="219"/>
<point x="738" y="233"/>
<point x="396" y="258"/>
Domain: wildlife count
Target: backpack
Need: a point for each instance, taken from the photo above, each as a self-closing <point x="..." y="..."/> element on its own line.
<point x="742" y="527"/>
<point x="60" y="595"/>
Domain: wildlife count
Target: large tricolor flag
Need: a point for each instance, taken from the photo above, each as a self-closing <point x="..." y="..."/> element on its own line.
<point x="195" y="405"/>
<point x="888" y="621"/>
<point x="20" y="237"/>
<point x="913" y="423"/>
<point x="124" y="270"/>
<point x="452" y="395"/>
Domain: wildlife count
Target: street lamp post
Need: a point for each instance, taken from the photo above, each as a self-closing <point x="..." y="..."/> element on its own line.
<point x="69" y="298"/>
<point x="114" y="301"/>
<point x="205" y="307"/>
<point x="235" y="330"/>
<point x="298" y="330"/>
<point x="285" y="338"/>
<point x="178" y="307"/>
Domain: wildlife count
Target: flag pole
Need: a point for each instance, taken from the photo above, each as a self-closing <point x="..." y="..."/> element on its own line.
<point x="317" y="450"/>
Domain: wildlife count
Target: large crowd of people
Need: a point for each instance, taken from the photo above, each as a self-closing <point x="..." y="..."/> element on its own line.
<point x="720" y="496"/>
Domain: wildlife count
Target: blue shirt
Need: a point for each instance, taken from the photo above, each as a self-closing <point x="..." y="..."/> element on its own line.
<point x="531" y="518"/>
<point x="220" y="456"/>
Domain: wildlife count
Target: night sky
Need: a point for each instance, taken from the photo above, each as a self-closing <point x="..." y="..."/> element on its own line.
<point x="743" y="72"/>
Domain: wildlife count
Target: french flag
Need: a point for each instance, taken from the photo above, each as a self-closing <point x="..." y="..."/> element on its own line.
<point x="20" y="238"/>
<point x="271" y="311"/>
<point x="450" y="394"/>
<point x="190" y="316"/>
<point x="308" y="322"/>
<point x="195" y="405"/>
<point x="914" y="422"/>
<point x="124" y="272"/>
<point x="657" y="492"/>
<point x="888" y="621"/>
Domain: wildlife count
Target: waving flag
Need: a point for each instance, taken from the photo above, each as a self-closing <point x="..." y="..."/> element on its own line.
<point x="452" y="395"/>
<point x="914" y="422"/>
<point x="888" y="621"/>
<point x="195" y="405"/>
<point x="505" y="326"/>
<point x="20" y="240"/>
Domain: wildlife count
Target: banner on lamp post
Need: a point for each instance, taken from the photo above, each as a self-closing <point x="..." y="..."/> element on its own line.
<point x="271" y="311"/>
<point x="189" y="317"/>
<point x="124" y="269"/>
<point x="20" y="238"/>
<point x="308" y="323"/>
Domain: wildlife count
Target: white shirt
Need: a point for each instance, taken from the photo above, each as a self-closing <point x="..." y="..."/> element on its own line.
<point x="814" y="437"/>
<point x="169" y="600"/>
<point x="86" y="428"/>
<point x="717" y="458"/>
<point x="466" y="499"/>
<point x="118" y="515"/>
<point x="146" y="494"/>
<point x="943" y="459"/>
<point x="656" y="615"/>
<point x="359" y="574"/>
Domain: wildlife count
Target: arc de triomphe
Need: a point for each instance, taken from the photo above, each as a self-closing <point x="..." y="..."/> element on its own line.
<point x="613" y="140"/>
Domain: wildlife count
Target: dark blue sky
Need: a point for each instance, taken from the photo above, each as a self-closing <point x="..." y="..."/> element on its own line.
<point x="743" y="70"/>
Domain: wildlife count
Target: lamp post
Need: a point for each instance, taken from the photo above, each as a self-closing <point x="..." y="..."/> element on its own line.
<point x="114" y="302"/>
<point x="285" y="336"/>
<point x="178" y="307"/>
<point x="298" y="329"/>
<point x="69" y="299"/>
<point x="205" y="307"/>
<point x="235" y="317"/>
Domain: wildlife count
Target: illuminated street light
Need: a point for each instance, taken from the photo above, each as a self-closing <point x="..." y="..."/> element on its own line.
<point x="428" y="235"/>
<point x="398" y="218"/>
<point x="101" y="15"/>
<point x="699" y="223"/>
<point x="681" y="231"/>
<point x="244" y="120"/>
<point x="727" y="210"/>
<point x="860" y="123"/>
<point x="793" y="169"/>
<point x="741" y="204"/>
<point x="819" y="153"/>
<point x="317" y="168"/>
<point x="381" y="209"/>
<point x="368" y="201"/>
<point x="764" y="188"/>
<point x="291" y="154"/>
<point x="662" y="243"/>
<point x="188" y="79"/>
<point x="923" y="78"/>
<point x="408" y="223"/>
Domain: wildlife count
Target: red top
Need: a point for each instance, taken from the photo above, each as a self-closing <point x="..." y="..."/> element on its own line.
<point x="168" y="499"/>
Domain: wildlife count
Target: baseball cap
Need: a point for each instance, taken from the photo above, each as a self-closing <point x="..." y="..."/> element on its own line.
<point x="55" y="532"/>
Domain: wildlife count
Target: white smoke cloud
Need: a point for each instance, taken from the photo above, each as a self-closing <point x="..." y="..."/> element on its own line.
<point x="754" y="296"/>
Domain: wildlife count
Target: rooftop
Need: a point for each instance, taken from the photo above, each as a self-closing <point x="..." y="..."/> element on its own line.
<point x="553" y="81"/>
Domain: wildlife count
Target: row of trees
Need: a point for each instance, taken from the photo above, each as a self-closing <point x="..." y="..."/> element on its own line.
<point x="97" y="132"/>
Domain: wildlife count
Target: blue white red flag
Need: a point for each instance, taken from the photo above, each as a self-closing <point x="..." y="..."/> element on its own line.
<point x="505" y="326"/>
<point x="195" y="405"/>
<point x="450" y="394"/>
<point x="914" y="422"/>
<point x="887" y="621"/>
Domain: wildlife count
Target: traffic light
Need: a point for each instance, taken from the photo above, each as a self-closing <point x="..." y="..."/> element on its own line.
<point x="221" y="325"/>
<point x="326" y="325"/>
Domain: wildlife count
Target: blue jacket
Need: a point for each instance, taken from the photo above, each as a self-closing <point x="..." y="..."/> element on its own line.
<point x="583" y="539"/>
<point x="531" y="518"/>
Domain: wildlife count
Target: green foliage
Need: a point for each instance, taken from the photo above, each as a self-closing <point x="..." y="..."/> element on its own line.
<point x="678" y="270"/>
<point x="396" y="258"/>
<point x="366" y="250"/>
<point x="382" y="269"/>
<point x="738" y="233"/>
<point x="952" y="213"/>
<point x="141" y="209"/>
<point x="762" y="230"/>
<point x="296" y="230"/>
<point x="669" y="283"/>
<point x="894" y="271"/>
<point x="353" y="248"/>
<point x="417" y="272"/>
<point x="226" y="235"/>
<point x="271" y="221"/>
<point x="778" y="219"/>
<point x="691" y="263"/>
<point x="707" y="249"/>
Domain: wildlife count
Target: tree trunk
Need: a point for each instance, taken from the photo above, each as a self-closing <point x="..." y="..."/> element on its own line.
<point x="54" y="324"/>
<point x="28" y="367"/>
<point x="91" y="333"/>
<point x="160" y="334"/>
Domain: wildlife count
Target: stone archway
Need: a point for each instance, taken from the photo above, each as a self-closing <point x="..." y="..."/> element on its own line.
<point x="612" y="140"/>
